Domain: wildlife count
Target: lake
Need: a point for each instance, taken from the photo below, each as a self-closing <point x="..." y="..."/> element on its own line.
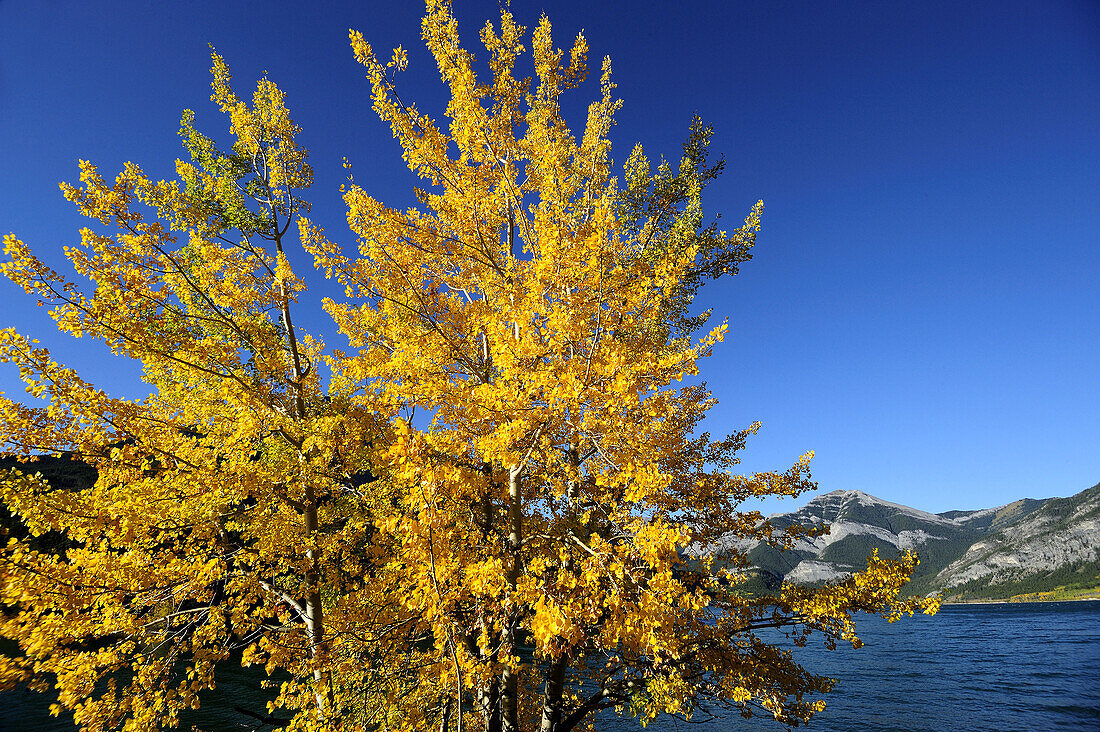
<point x="1027" y="667"/>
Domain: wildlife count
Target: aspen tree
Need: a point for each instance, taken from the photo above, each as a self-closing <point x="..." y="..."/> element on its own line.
<point x="496" y="512"/>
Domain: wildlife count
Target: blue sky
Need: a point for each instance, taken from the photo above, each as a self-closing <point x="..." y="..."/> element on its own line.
<point x="923" y="309"/>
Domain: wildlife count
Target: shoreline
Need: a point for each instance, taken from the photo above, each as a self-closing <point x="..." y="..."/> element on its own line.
<point x="1018" y="602"/>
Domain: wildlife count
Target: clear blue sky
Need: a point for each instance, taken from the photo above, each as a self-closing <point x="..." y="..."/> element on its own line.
<point x="924" y="307"/>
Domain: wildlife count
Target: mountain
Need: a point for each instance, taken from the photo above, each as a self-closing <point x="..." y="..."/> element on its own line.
<point x="1055" y="544"/>
<point x="1028" y="546"/>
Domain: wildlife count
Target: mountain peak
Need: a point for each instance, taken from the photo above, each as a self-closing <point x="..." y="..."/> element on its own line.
<point x="853" y="504"/>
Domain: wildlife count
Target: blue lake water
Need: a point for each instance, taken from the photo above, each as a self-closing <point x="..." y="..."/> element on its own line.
<point x="1027" y="667"/>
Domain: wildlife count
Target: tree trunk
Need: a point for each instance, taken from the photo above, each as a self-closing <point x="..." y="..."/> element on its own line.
<point x="487" y="694"/>
<point x="445" y="718"/>
<point x="488" y="701"/>
<point x="509" y="680"/>
<point x="552" y="695"/>
<point x="554" y="690"/>
<point x="315" y="621"/>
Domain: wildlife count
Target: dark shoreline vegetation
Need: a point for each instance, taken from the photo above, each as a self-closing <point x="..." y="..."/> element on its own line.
<point x="1024" y="600"/>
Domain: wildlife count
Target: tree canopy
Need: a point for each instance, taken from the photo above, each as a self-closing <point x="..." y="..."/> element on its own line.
<point x="493" y="509"/>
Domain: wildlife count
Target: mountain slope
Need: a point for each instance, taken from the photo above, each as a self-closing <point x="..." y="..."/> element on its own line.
<point x="1028" y="545"/>
<point x="1059" y="534"/>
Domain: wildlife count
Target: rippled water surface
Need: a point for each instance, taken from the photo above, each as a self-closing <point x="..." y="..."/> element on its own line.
<point x="971" y="667"/>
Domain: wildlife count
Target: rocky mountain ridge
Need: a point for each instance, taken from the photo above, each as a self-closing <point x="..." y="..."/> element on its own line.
<point x="1028" y="545"/>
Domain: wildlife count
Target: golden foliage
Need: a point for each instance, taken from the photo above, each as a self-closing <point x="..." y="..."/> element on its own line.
<point x="492" y="514"/>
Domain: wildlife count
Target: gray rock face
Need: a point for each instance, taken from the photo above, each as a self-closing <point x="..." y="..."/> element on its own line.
<point x="1026" y="538"/>
<point x="1042" y="541"/>
<point x="810" y="571"/>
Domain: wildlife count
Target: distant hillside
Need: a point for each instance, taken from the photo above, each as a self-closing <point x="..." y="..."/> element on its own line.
<point x="1028" y="546"/>
<point x="1056" y="544"/>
